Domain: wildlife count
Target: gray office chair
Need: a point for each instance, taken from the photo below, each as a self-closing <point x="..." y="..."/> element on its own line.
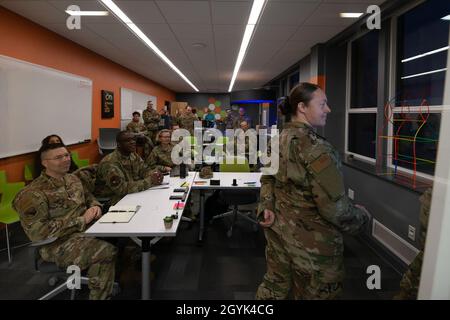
<point x="107" y="140"/>
<point x="57" y="273"/>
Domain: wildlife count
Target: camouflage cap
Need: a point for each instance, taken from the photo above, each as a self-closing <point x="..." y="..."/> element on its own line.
<point x="206" y="173"/>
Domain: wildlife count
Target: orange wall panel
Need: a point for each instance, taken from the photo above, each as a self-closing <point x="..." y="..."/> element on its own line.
<point x="25" y="40"/>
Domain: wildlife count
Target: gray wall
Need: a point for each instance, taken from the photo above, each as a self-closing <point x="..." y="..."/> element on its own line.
<point x="200" y="100"/>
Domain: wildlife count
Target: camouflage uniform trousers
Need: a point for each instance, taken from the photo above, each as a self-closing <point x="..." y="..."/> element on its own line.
<point x="296" y="271"/>
<point x="97" y="256"/>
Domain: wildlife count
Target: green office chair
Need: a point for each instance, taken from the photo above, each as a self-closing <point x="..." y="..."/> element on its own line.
<point x="235" y="198"/>
<point x="3" y="180"/>
<point x="7" y="214"/>
<point x="28" y="172"/>
<point x="232" y="164"/>
<point x="79" y="162"/>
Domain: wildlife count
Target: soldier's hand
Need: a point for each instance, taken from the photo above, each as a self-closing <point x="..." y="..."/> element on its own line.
<point x="157" y="178"/>
<point x="167" y="169"/>
<point x="89" y="215"/>
<point x="269" y="218"/>
<point x="366" y="213"/>
<point x="98" y="212"/>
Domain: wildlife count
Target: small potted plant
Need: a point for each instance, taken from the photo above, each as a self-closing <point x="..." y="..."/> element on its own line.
<point x="168" y="221"/>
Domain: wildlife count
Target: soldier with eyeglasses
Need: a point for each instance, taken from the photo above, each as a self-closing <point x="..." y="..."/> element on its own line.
<point x="55" y="205"/>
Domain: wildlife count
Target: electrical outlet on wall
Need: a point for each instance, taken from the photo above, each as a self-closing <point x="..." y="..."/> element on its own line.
<point x="412" y="233"/>
<point x="351" y="194"/>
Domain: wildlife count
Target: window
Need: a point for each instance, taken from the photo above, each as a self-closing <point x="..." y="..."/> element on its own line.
<point x="361" y="134"/>
<point x="363" y="95"/>
<point x="293" y="79"/>
<point x="422" y="46"/>
<point x="416" y="146"/>
<point x="421" y="66"/>
<point x="365" y="71"/>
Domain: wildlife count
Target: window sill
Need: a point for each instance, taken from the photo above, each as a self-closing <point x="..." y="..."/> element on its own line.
<point x="403" y="180"/>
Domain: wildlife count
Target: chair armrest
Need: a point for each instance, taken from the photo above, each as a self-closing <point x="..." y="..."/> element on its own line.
<point x="41" y="243"/>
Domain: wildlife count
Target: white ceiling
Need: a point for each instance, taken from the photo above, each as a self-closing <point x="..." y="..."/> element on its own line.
<point x="286" y="32"/>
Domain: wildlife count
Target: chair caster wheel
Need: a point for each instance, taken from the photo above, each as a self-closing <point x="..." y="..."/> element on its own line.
<point x="52" y="281"/>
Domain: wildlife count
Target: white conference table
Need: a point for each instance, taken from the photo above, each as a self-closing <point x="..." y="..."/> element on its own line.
<point x="148" y="222"/>
<point x="226" y="183"/>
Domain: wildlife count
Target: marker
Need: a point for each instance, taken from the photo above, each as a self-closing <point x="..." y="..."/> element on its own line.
<point x="253" y="182"/>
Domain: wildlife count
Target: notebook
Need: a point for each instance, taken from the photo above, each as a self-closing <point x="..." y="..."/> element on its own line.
<point x="119" y="214"/>
<point x="164" y="184"/>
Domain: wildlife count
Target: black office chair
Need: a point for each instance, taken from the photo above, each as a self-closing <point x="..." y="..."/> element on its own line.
<point x="107" y="140"/>
<point x="235" y="198"/>
<point x="57" y="273"/>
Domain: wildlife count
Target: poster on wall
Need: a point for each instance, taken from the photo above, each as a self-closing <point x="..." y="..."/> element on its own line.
<point x="107" y="104"/>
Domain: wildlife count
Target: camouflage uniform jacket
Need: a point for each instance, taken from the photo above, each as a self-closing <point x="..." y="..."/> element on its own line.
<point x="308" y="193"/>
<point x="239" y="119"/>
<point x="136" y="127"/>
<point x="229" y="121"/>
<point x="186" y="121"/>
<point x="409" y="285"/>
<point x="160" y="158"/>
<point x="118" y="175"/>
<point x="151" y="119"/>
<point x="50" y="207"/>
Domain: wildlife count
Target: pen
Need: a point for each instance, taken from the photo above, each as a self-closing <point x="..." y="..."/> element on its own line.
<point x="252" y="182"/>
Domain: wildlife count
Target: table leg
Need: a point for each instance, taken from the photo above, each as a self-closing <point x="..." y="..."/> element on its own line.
<point x="146" y="281"/>
<point x="202" y="215"/>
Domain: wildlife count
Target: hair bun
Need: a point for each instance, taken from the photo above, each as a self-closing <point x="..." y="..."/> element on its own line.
<point x="285" y="106"/>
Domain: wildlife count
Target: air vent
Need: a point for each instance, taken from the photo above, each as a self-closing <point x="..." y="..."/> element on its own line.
<point x="401" y="248"/>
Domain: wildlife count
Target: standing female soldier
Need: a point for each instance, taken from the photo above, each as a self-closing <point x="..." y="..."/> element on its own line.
<point x="304" y="207"/>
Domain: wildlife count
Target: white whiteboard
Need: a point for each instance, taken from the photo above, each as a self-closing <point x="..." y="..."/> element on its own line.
<point x="130" y="101"/>
<point x="37" y="101"/>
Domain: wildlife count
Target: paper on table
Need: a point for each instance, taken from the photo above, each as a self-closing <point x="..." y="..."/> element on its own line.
<point x="163" y="185"/>
<point x="119" y="214"/>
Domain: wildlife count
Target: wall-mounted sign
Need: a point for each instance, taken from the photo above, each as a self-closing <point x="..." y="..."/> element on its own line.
<point x="107" y="104"/>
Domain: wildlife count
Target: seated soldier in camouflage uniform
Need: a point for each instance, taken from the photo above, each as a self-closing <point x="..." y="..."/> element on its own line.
<point x="123" y="171"/>
<point x="409" y="285"/>
<point x="304" y="207"/>
<point x="55" y="205"/>
<point x="161" y="156"/>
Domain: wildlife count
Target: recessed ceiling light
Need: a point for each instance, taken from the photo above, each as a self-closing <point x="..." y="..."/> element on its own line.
<point x="87" y="13"/>
<point x="199" y="45"/>
<point x="255" y="14"/>
<point x="352" y="15"/>
<point x="426" y="54"/>
<point x="138" y="33"/>
<point x="446" y="17"/>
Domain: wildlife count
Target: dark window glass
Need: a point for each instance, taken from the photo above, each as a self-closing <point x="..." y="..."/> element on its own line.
<point x="419" y="31"/>
<point x="293" y="80"/>
<point x="283" y="87"/>
<point x="364" y="71"/>
<point x="421" y="150"/>
<point x="361" y="133"/>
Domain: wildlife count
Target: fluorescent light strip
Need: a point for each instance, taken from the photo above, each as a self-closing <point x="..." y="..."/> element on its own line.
<point x="255" y="13"/>
<point x="87" y="13"/>
<point x="138" y="33"/>
<point x="426" y="54"/>
<point x="446" y="18"/>
<point x="425" y="73"/>
<point x="350" y="14"/>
